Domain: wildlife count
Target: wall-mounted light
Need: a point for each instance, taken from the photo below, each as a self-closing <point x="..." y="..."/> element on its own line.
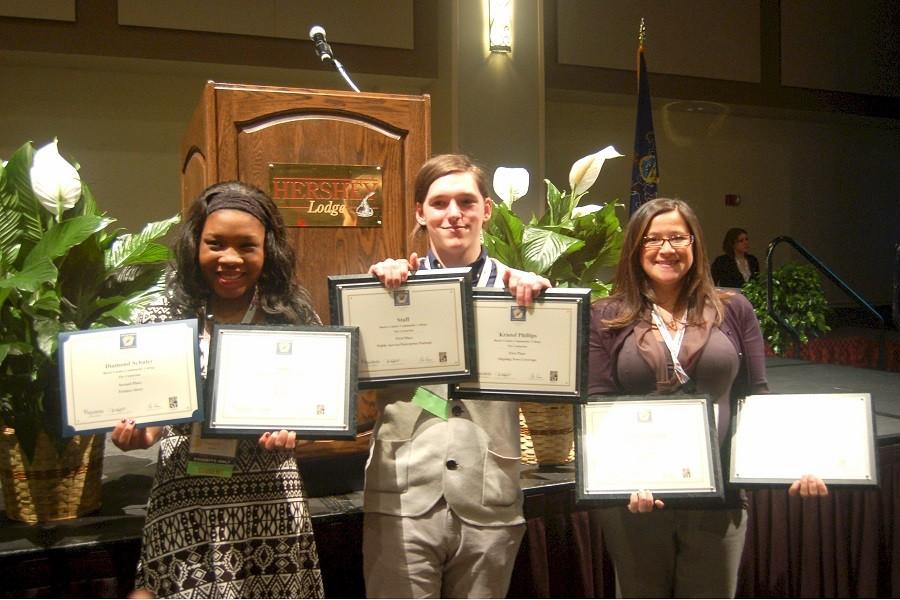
<point x="500" y="25"/>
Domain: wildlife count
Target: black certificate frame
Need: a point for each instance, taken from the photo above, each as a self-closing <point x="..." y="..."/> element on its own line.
<point x="815" y="421"/>
<point x="580" y="299"/>
<point x="310" y="339"/>
<point x="712" y="493"/>
<point x="338" y="285"/>
<point x="128" y="332"/>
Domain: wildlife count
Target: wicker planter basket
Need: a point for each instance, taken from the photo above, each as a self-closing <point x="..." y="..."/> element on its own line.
<point x="53" y="487"/>
<point x="546" y="432"/>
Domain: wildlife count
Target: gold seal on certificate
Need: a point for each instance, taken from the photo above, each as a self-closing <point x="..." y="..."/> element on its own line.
<point x="530" y="353"/>
<point x="780" y="437"/>
<point x="666" y="445"/>
<point x="420" y="332"/>
<point x="271" y="377"/>
<point x="149" y="373"/>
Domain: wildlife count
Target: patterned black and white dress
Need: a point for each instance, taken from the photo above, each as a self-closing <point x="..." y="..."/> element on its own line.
<point x="248" y="536"/>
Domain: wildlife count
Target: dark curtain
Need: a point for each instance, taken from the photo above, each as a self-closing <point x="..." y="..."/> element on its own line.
<point x="846" y="545"/>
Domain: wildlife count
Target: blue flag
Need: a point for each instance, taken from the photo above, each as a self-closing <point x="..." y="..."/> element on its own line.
<point x="645" y="170"/>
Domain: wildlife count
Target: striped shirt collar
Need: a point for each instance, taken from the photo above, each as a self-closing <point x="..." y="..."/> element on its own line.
<point x="484" y="271"/>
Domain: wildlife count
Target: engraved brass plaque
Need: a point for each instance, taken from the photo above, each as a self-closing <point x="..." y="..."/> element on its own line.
<point x="327" y="195"/>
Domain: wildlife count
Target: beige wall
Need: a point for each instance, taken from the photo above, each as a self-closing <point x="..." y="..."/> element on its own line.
<point x="826" y="178"/>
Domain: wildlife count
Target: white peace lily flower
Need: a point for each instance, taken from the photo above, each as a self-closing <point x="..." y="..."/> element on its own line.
<point x="55" y="182"/>
<point x="510" y="183"/>
<point x="585" y="170"/>
<point x="580" y="211"/>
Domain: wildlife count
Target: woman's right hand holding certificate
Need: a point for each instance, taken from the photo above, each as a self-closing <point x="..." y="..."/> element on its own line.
<point x="642" y="501"/>
<point x="128" y="436"/>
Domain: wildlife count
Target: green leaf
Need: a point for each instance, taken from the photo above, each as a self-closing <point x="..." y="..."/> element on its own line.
<point x="132" y="249"/>
<point x="122" y="313"/>
<point x="149" y="254"/>
<point x="88" y="205"/>
<point x="798" y="297"/>
<point x="46" y="301"/>
<point x="497" y="248"/>
<point x="47" y="336"/>
<point x="541" y="248"/>
<point x="30" y="211"/>
<point x="9" y="229"/>
<point x="31" y="278"/>
<point x="562" y="274"/>
<point x="61" y="238"/>
<point x="555" y="206"/>
<point x="8" y="257"/>
<point x="504" y="235"/>
<point x="19" y="348"/>
<point x="81" y="278"/>
<point x="600" y="290"/>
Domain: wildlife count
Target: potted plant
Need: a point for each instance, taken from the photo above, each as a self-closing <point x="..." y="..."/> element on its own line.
<point x="61" y="269"/>
<point x="569" y="244"/>
<point x="799" y="299"/>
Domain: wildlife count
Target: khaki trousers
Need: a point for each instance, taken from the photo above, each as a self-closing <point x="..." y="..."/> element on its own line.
<point x="437" y="555"/>
<point x="675" y="553"/>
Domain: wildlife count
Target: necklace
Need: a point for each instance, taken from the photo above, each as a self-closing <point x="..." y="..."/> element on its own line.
<point x="672" y="322"/>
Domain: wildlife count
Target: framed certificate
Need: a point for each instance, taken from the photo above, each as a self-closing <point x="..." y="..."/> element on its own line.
<point x="270" y="377"/>
<point x="149" y="373"/>
<point x="534" y="353"/>
<point x="420" y="332"/>
<point x="777" y="438"/>
<point x="663" y="444"/>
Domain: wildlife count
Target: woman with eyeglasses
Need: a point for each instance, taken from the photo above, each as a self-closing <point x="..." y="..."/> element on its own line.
<point x="737" y="266"/>
<point x="666" y="329"/>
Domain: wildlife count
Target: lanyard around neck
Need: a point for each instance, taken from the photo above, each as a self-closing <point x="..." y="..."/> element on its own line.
<point x="672" y="343"/>
<point x="247" y="319"/>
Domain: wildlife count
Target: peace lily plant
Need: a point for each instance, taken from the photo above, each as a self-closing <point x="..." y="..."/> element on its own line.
<point x="569" y="244"/>
<point x="61" y="269"/>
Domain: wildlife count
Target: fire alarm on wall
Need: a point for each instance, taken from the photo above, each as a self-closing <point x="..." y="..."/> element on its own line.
<point x="732" y="200"/>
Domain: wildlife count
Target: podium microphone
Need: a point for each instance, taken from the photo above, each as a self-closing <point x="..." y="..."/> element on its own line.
<point x="326" y="54"/>
<point x="323" y="50"/>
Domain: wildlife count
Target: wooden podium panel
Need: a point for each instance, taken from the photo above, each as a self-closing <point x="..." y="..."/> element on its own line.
<point x="238" y="130"/>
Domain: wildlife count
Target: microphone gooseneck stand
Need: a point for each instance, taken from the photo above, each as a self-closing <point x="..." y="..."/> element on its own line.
<point x="340" y="69"/>
<point x="326" y="54"/>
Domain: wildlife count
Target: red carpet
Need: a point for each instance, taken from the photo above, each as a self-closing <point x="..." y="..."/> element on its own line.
<point x="853" y="348"/>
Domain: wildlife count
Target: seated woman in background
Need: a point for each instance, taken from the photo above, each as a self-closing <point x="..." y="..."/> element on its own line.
<point x="736" y="267"/>
<point x="666" y="329"/>
<point x="244" y="532"/>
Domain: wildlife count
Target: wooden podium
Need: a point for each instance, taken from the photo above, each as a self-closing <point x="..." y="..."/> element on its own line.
<point x="237" y="131"/>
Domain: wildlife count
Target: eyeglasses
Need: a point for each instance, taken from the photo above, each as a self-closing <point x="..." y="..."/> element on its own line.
<point x="676" y="241"/>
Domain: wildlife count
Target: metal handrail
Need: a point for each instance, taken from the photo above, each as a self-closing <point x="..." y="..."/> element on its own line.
<point x="818" y="264"/>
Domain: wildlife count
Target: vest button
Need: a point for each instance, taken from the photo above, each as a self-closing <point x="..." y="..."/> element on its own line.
<point x="452" y="464"/>
<point x="457" y="410"/>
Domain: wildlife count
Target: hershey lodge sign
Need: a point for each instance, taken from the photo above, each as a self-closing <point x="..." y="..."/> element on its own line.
<point x="327" y="195"/>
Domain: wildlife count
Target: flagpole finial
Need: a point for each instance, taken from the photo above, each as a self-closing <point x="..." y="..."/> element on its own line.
<point x="642" y="33"/>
